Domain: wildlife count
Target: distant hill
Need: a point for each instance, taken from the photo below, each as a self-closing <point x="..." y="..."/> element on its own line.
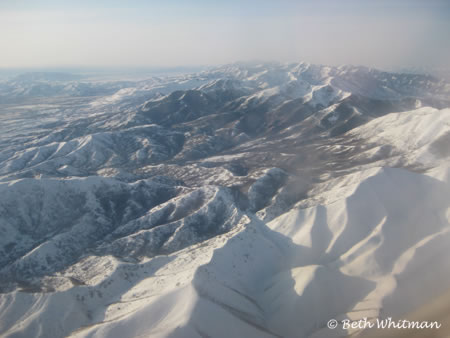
<point x="47" y="76"/>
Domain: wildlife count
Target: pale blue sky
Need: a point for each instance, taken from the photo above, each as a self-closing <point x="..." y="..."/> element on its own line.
<point x="134" y="33"/>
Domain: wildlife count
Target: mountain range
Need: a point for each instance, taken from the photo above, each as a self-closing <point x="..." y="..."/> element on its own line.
<point x="247" y="200"/>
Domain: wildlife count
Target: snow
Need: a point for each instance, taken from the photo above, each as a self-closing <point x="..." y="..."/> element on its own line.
<point x="289" y="276"/>
<point x="413" y="133"/>
<point x="300" y="285"/>
<point x="204" y="252"/>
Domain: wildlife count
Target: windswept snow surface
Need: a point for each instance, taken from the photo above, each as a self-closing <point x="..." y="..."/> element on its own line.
<point x="242" y="201"/>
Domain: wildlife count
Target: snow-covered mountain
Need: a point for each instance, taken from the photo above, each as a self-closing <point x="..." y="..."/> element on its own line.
<point x="245" y="201"/>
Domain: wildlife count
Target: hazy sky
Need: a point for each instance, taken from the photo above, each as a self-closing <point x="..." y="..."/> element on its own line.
<point x="382" y="33"/>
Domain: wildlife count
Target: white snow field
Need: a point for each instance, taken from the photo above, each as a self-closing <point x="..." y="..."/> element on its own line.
<point x="213" y="250"/>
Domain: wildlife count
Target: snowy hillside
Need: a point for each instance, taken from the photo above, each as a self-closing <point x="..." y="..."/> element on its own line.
<point x="241" y="201"/>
